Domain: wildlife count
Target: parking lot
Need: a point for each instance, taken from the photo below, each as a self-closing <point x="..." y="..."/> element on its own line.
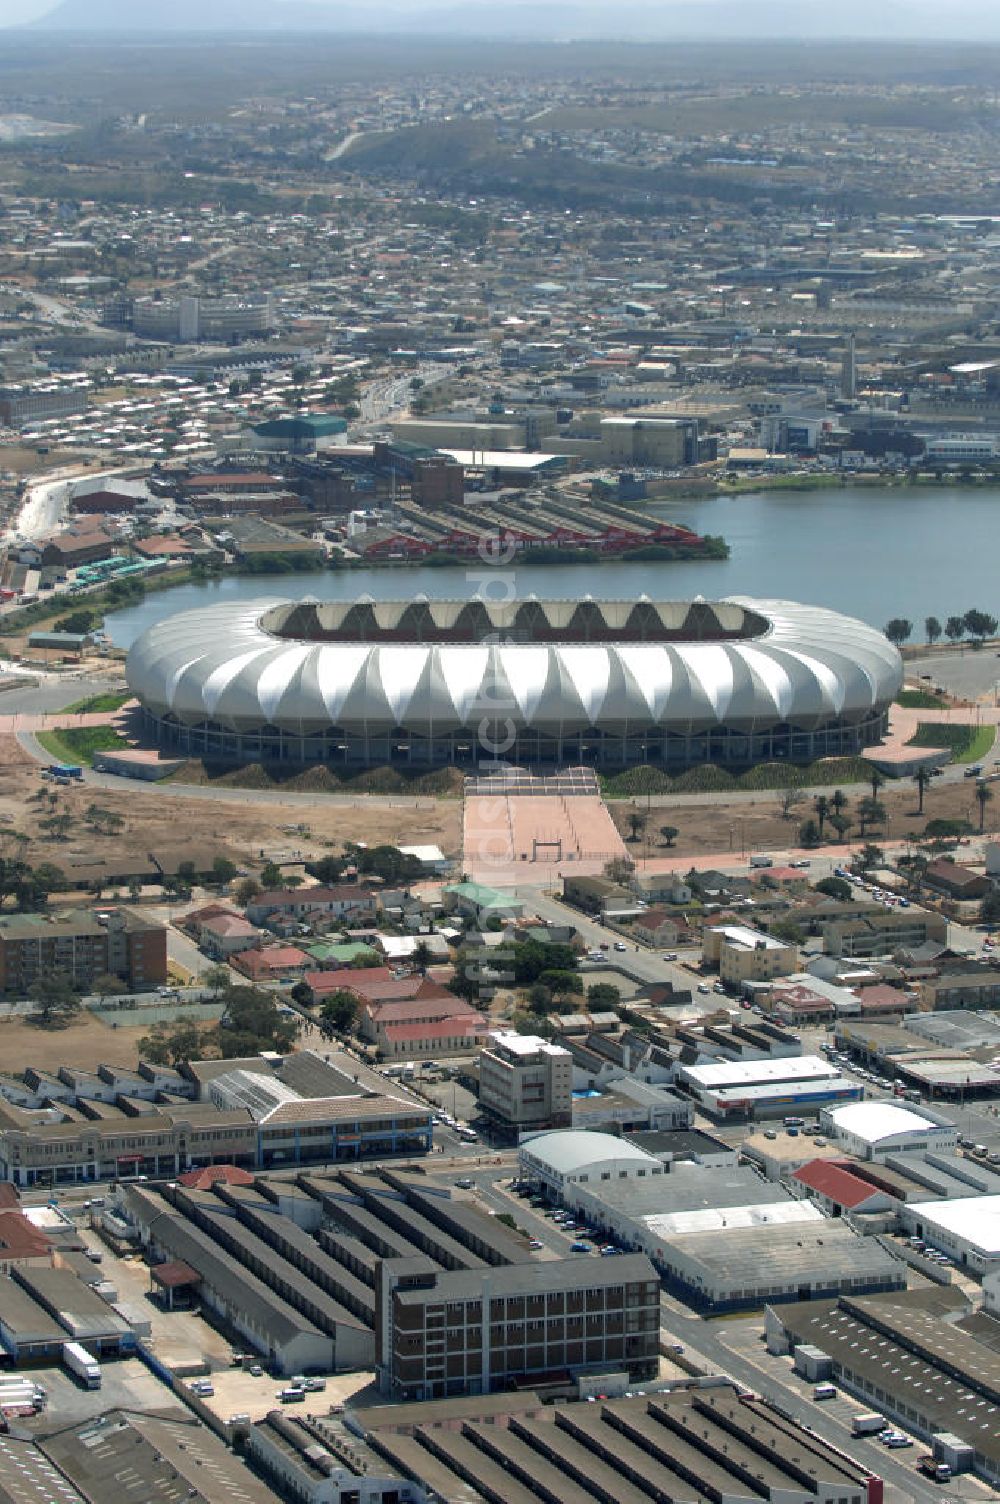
<point x="125" y="1382"/>
<point x="238" y="1392"/>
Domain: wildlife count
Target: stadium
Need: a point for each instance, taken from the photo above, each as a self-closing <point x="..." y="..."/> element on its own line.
<point x="435" y="683"/>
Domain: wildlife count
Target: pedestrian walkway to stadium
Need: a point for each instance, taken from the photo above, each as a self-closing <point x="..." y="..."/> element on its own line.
<point x="517" y="824"/>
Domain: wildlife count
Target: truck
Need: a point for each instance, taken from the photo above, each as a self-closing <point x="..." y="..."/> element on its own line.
<point x="20" y="1395"/>
<point x="79" y="1362"/>
<point x="64" y="771"/>
<point x="760" y="860"/>
<point x="931" y="1468"/>
<point x="868" y="1423"/>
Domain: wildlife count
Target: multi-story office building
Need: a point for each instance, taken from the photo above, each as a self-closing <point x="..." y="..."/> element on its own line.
<point x="527" y="1082"/>
<point x="84" y="945"/>
<point x="471" y="1331"/>
<point x="745" y="955"/>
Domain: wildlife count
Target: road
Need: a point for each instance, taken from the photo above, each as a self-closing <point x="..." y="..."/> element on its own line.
<point x="642" y="965"/>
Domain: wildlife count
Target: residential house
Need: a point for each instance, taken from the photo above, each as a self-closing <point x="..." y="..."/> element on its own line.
<point x="344" y="900"/>
<point x="272" y="963"/>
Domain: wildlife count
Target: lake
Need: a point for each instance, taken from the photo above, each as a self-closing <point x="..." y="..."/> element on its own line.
<point x="871" y="551"/>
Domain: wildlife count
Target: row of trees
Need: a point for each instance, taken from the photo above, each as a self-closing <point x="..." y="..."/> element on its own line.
<point x="975" y="624"/>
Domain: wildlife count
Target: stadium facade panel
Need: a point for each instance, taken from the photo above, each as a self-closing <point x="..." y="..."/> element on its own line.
<point x="431" y="683"/>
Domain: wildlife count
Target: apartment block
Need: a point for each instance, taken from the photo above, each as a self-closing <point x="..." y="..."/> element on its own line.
<point x="526" y="1081"/>
<point x="84" y="945"/>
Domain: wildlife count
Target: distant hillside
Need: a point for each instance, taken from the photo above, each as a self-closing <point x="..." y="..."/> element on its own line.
<point x="681" y="20"/>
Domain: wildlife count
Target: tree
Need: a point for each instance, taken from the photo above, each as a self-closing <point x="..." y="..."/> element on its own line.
<point x="983" y="796"/>
<point x="602" y="995"/>
<point x="530" y="958"/>
<point x="223" y="871"/>
<point x="870" y="812"/>
<point x="821" y="805"/>
<point x="669" y="834"/>
<point x="55" y="997"/>
<point x="788" y="799"/>
<point x="979" y="624"/>
<point x="836" y="887"/>
<point x="869" y="856"/>
<point x="898" y="630"/>
<point x="876" y="779"/>
<point x="989" y="909"/>
<point x="636" y="824"/>
<point x="217" y="979"/>
<point x="841" y="823"/>
<point x="954" y="628"/>
<point x="246" y="890"/>
<point x="539" y="997"/>
<point x="619" y="869"/>
<point x="106" y="984"/>
<point x="932" y="629"/>
<point x="302" y="994"/>
<point x="422" y="956"/>
<point x="561" y="983"/>
<point x="271" y="876"/>
<point x="809" y="833"/>
<point x="340" y="1011"/>
<point x="252" y="1023"/>
<point x="788" y="931"/>
<point x="921" y="778"/>
<point x="328" y="870"/>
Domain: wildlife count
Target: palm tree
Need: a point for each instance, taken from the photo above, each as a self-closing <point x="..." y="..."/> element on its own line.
<point x="921" y="778"/>
<point x="983" y="797"/>
<point x="876" y="779"/>
<point x="821" y="805"/>
<point x="636" y="822"/>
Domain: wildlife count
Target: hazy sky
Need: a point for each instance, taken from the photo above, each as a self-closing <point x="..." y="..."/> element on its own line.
<point x="972" y="12"/>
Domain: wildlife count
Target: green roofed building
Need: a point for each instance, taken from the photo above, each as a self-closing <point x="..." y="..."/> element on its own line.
<point x="478" y="900"/>
<point x="301" y="433"/>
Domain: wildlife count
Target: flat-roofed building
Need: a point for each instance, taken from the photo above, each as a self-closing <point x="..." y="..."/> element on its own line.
<point x="767" y="1088"/>
<point x="474" y="1331"/>
<point x="120" y="943"/>
<point x="743" y="954"/>
<point x="526" y="1082"/>
<point x="967" y="1228"/>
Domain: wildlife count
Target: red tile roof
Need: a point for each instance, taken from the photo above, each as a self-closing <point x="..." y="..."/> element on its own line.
<point x="835" y="1182"/>
<point x="205" y="1178"/>
<point x="19" y="1239"/>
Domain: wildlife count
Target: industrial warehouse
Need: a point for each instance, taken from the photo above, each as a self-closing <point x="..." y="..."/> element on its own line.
<point x="355" y="1271"/>
<point x="427" y="682"/>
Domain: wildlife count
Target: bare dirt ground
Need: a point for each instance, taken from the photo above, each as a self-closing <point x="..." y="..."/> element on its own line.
<point x="239" y="827"/>
<point x="710" y="823"/>
<point x="86" y="1043"/>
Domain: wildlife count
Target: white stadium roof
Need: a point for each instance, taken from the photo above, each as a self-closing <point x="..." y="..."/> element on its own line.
<point x="556" y="667"/>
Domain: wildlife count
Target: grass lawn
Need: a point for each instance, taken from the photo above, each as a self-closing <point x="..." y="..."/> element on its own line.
<point x="77" y="744"/>
<point x="918" y="699"/>
<point x="97" y="704"/>
<point x="966" y="743"/>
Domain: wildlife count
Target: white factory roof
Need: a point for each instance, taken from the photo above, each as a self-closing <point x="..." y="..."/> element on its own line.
<point x="566" y="1151"/>
<point x="721" y="1218"/>
<point x="976" y="1219"/>
<point x="760" y="1072"/>
<point x="875" y="1121"/>
<point x="802" y="1091"/>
